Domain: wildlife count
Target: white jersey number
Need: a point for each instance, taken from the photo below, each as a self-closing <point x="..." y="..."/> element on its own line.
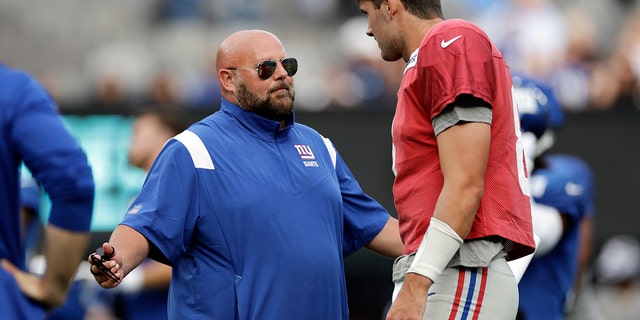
<point x="520" y="156"/>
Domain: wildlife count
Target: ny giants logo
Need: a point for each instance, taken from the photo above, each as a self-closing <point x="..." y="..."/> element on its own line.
<point x="306" y="154"/>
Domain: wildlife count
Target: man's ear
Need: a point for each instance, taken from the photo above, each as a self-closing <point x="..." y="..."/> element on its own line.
<point x="227" y="79"/>
<point x="392" y="7"/>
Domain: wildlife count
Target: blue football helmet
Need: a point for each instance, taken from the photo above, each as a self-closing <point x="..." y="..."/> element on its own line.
<point x="540" y="112"/>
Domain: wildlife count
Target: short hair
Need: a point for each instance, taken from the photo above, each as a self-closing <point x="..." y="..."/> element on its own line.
<point x="424" y="9"/>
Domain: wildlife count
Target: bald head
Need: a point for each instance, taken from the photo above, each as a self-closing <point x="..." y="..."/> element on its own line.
<point x="238" y="56"/>
<point x="242" y="48"/>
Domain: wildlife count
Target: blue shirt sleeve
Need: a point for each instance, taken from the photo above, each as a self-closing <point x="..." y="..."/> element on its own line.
<point x="364" y="217"/>
<point x="54" y="158"/>
<point x="581" y="184"/>
<point x="562" y="190"/>
<point x="164" y="211"/>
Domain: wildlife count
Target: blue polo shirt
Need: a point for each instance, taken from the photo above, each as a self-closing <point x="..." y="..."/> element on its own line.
<point x="256" y="220"/>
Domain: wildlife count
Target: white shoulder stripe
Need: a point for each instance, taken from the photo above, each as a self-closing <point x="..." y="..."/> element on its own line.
<point x="331" y="149"/>
<point x="197" y="150"/>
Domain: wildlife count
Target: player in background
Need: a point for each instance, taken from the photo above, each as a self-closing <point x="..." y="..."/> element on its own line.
<point x="562" y="191"/>
<point x="32" y="132"/>
<point x="83" y="290"/>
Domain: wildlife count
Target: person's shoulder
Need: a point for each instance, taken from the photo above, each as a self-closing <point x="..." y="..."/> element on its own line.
<point x="452" y="31"/>
<point x="306" y="129"/>
<point x="7" y="72"/>
<point x="561" y="169"/>
<point x="24" y="93"/>
<point x="457" y="25"/>
<point x="576" y="168"/>
<point x="457" y="22"/>
<point x="13" y="78"/>
<point x="565" y="159"/>
<point x="568" y="163"/>
<point x="208" y="126"/>
<point x="19" y="82"/>
<point x="205" y="132"/>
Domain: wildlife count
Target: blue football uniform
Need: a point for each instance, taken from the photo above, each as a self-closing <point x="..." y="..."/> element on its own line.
<point x="566" y="183"/>
<point x="255" y="220"/>
<point x="31" y="131"/>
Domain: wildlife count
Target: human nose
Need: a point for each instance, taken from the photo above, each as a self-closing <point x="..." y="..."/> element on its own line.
<point x="368" y="32"/>
<point x="280" y="71"/>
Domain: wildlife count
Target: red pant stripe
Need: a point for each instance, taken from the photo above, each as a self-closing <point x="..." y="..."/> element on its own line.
<point x="483" y="285"/>
<point x="456" y="302"/>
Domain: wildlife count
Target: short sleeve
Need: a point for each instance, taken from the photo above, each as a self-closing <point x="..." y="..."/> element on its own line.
<point x="165" y="211"/>
<point x="465" y="66"/>
<point x="364" y="217"/>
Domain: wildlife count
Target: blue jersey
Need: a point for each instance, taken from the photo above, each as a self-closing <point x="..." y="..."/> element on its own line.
<point x="31" y="131"/>
<point x="566" y="183"/>
<point x="255" y="220"/>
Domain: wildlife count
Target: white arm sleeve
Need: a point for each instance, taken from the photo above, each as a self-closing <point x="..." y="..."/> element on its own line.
<point x="438" y="246"/>
<point x="547" y="224"/>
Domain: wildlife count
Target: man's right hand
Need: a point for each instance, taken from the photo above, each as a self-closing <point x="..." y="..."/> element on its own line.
<point x="412" y="299"/>
<point x="110" y="275"/>
<point x="34" y="287"/>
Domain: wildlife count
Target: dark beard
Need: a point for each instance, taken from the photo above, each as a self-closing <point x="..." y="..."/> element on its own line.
<point x="263" y="106"/>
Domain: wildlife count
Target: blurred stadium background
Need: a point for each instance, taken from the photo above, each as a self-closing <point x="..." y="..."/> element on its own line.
<point x="103" y="60"/>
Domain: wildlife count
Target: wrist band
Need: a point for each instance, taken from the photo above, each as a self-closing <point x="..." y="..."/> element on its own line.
<point x="437" y="248"/>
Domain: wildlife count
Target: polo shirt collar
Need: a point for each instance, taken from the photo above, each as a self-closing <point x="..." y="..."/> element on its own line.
<point x="255" y="123"/>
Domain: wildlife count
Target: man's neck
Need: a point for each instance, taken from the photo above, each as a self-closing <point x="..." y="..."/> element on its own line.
<point x="414" y="30"/>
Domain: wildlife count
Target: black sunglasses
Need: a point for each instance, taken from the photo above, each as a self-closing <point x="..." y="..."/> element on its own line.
<point x="266" y="68"/>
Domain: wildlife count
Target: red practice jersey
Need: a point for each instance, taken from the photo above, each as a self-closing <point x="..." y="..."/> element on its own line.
<point x="456" y="57"/>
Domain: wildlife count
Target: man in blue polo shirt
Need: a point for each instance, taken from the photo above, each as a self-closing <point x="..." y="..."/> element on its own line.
<point x="254" y="211"/>
<point x="32" y="132"/>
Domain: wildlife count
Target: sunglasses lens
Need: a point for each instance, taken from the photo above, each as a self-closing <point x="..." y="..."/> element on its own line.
<point x="266" y="69"/>
<point x="291" y="65"/>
